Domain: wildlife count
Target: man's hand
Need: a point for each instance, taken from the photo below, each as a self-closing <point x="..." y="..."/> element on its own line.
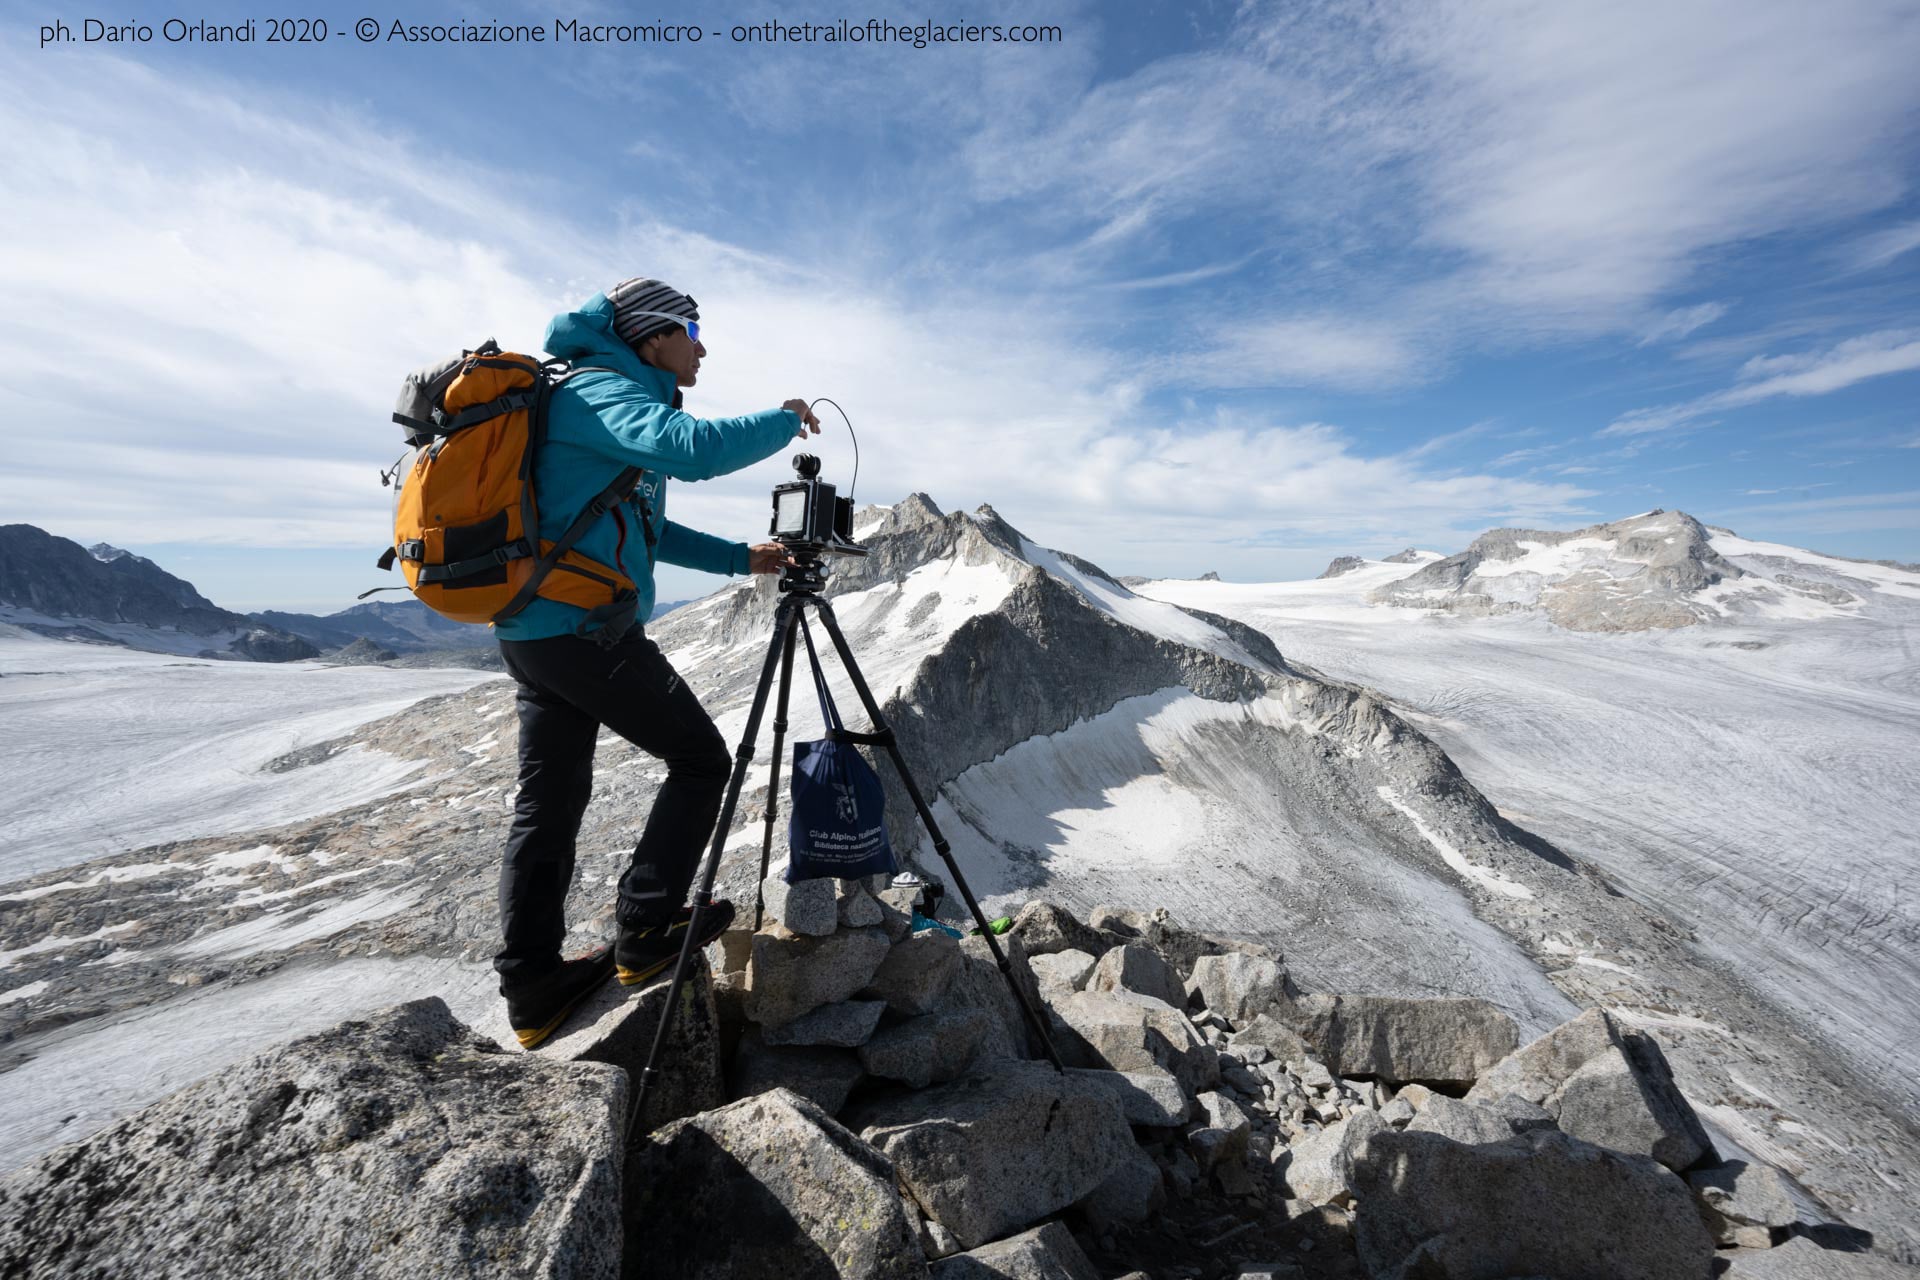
<point x="807" y="420"/>
<point x="767" y="557"/>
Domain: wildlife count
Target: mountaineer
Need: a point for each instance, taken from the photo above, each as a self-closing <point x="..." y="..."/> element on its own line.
<point x="636" y="348"/>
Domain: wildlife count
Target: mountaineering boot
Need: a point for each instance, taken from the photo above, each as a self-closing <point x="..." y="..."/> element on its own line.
<point x="644" y="950"/>
<point x="536" y="1008"/>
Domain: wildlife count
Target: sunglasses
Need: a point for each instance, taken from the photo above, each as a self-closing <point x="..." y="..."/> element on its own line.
<point x="691" y="326"/>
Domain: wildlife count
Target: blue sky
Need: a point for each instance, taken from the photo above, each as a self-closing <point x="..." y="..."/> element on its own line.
<point x="1228" y="287"/>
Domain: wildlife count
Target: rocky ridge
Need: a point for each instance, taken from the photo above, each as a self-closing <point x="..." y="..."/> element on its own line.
<point x="55" y="587"/>
<point x="898" y="1120"/>
<point x="399" y="626"/>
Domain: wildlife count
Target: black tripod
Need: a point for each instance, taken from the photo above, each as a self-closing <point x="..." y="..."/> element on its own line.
<point x="801" y="584"/>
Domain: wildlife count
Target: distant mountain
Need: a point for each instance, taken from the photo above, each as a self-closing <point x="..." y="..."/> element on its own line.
<point x="403" y="626"/>
<point x="107" y="595"/>
<point x="54" y="586"/>
<point x="1658" y="570"/>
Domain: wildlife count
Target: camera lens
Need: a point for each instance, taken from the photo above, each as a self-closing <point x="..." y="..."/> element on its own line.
<point x="807" y="465"/>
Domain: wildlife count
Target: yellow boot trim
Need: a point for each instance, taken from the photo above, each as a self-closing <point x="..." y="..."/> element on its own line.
<point x="528" y="1039"/>
<point x="634" y="977"/>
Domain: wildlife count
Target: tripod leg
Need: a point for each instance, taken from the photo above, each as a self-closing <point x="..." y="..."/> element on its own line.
<point x="773" y="778"/>
<point x="785" y="622"/>
<point x="885" y="732"/>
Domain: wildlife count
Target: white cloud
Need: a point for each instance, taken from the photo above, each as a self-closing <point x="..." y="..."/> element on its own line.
<point x="1584" y="156"/>
<point x="1504" y="170"/>
<point x="223" y="301"/>
<point x="1855" y="360"/>
<point x="1810" y="374"/>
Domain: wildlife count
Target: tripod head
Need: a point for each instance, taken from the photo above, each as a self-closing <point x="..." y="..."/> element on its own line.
<point x="805" y="573"/>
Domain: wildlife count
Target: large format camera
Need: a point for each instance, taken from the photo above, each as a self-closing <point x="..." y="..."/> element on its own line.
<point x="809" y="516"/>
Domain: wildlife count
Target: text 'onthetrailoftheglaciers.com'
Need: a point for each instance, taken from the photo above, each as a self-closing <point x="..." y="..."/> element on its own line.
<point x="558" y="31"/>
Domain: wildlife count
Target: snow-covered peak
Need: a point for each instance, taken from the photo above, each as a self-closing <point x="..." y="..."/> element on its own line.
<point x="1155" y="617"/>
<point x="1658" y="569"/>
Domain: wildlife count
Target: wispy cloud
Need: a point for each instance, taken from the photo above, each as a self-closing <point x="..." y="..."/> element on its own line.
<point x="1517" y="456"/>
<point x="1448" y="439"/>
<point x="1882" y="247"/>
<point x="1679" y="323"/>
<point x="1505" y="173"/>
<point x="1324" y="351"/>
<point x="1584" y="157"/>
<point x="1855" y="360"/>
<point x="1831" y="514"/>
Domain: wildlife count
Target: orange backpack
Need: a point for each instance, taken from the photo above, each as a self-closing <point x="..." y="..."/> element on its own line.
<point x="465" y="518"/>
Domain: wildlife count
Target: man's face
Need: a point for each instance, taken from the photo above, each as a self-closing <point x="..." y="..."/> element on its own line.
<point x="676" y="353"/>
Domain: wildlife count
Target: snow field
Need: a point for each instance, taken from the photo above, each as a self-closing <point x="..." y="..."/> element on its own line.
<point x="1181" y="802"/>
<point x="1760" y="796"/>
<point x="109" y="750"/>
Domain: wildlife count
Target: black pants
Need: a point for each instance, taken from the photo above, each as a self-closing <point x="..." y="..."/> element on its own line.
<point x="568" y="688"/>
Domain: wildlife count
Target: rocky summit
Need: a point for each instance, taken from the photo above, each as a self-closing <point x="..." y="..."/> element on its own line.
<point x="1228" y="1125"/>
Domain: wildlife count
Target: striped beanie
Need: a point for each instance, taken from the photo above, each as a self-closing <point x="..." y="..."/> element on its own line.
<point x="631" y="297"/>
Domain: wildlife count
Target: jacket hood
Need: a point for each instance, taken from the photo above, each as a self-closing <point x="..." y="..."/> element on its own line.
<point x="586" y="336"/>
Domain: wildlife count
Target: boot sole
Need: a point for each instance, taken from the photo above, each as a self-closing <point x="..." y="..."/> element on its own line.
<point x="634" y="977"/>
<point x="537" y="1036"/>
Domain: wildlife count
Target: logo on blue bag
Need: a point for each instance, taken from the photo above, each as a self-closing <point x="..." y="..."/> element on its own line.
<point x="845" y="806"/>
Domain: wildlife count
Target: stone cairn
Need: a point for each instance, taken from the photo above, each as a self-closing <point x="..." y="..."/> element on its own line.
<point x="847" y="1097"/>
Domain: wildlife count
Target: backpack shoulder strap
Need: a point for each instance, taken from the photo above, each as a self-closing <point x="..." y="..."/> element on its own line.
<point x="618" y="491"/>
<point x="645" y="511"/>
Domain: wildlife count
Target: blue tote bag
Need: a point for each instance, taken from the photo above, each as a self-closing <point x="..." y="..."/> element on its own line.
<point x="837" y="825"/>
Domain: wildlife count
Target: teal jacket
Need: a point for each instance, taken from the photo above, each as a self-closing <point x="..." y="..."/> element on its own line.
<point x="601" y="422"/>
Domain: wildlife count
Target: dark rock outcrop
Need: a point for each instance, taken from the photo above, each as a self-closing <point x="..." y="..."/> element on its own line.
<point x="1342" y="564"/>
<point x="402" y="1144"/>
